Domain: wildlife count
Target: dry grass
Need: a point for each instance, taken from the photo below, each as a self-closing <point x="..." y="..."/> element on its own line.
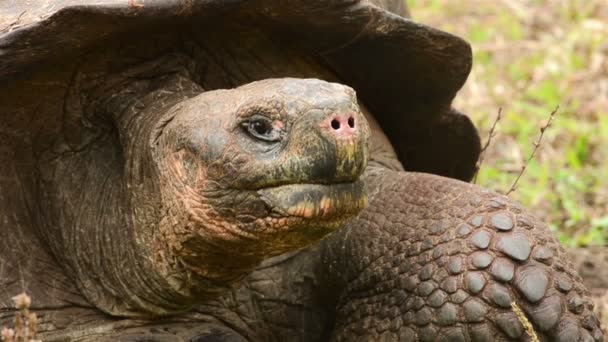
<point x="26" y="322"/>
<point x="521" y="316"/>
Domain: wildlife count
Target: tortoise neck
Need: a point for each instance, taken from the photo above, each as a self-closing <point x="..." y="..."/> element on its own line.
<point x="154" y="283"/>
<point x="103" y="233"/>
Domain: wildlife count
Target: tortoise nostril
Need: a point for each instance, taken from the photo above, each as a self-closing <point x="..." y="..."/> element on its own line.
<point x="351" y="122"/>
<point x="335" y="124"/>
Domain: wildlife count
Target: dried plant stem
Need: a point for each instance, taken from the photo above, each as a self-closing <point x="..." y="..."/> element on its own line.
<point x="521" y="316"/>
<point x="543" y="128"/>
<point x="26" y="322"/>
<point x="487" y="144"/>
<point x="134" y="4"/>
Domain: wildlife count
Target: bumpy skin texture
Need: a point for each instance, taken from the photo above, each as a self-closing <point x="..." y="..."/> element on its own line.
<point x="430" y="259"/>
<point x="437" y="259"/>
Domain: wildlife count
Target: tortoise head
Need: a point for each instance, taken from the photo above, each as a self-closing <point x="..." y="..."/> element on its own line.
<point x="256" y="171"/>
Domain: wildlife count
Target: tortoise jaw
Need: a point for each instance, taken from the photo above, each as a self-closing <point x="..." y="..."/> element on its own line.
<point x="322" y="202"/>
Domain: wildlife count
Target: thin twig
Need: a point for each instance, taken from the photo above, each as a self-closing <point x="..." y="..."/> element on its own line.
<point x="536" y="145"/>
<point x="487" y="144"/>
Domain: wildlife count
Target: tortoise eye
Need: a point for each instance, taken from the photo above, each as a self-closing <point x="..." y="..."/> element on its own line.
<point x="262" y="129"/>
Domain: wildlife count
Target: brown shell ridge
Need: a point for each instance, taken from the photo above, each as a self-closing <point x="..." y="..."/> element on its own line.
<point x="405" y="72"/>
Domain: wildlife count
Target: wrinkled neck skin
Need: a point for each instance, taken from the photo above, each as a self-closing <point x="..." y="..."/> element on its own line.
<point x="105" y="233"/>
<point x="139" y="112"/>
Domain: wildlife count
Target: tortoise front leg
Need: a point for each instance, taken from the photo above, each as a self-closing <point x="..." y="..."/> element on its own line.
<point x="438" y="259"/>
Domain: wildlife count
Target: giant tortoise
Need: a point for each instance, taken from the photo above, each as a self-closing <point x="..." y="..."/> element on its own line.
<point x="203" y="170"/>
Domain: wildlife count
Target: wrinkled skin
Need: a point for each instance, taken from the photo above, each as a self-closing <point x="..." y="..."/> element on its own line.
<point x="111" y="227"/>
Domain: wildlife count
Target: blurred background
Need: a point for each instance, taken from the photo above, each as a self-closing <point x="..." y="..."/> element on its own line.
<point x="531" y="56"/>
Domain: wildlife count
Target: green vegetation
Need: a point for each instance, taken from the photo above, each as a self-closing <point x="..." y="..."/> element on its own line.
<point x="529" y="57"/>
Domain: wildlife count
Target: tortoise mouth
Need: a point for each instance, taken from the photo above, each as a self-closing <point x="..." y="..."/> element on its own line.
<point x="316" y="201"/>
